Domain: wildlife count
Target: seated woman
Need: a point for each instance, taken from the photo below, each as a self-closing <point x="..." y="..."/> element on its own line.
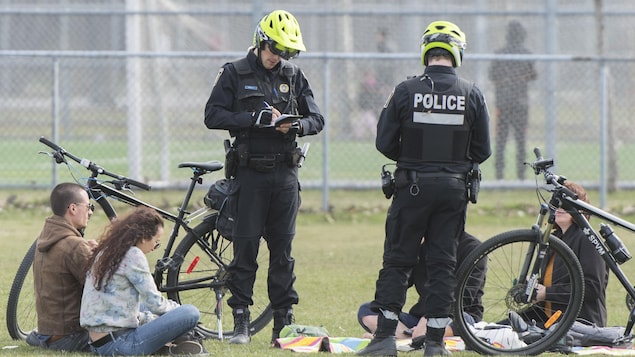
<point x="119" y="282"/>
<point x="595" y="271"/>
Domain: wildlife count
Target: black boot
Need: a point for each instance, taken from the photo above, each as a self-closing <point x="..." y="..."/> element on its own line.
<point x="241" y="327"/>
<point x="281" y="318"/>
<point x="383" y="342"/>
<point x="434" y="345"/>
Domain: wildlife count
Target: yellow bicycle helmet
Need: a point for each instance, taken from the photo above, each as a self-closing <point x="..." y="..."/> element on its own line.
<point x="445" y="35"/>
<point x="281" y="31"/>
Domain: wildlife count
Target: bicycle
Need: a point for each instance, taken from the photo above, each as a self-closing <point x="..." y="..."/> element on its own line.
<point x="195" y="272"/>
<point x="516" y="262"/>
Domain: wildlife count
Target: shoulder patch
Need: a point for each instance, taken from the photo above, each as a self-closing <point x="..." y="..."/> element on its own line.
<point x="220" y="72"/>
<point x="389" y="98"/>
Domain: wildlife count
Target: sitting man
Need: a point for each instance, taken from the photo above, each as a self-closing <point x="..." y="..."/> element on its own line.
<point x="412" y="324"/>
<point x="58" y="271"/>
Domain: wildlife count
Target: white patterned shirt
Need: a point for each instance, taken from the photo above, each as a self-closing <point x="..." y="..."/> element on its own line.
<point x="117" y="305"/>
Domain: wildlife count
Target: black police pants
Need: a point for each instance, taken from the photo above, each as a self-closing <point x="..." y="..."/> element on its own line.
<point x="267" y="207"/>
<point x="436" y="215"/>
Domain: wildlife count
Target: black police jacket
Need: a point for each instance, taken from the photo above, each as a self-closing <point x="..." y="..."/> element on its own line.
<point x="435" y="121"/>
<point x="244" y="87"/>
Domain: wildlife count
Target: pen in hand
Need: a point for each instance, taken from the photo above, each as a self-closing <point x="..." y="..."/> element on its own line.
<point x="270" y="107"/>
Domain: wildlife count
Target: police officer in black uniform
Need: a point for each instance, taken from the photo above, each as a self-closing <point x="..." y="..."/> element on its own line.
<point x="435" y="126"/>
<point x="248" y="96"/>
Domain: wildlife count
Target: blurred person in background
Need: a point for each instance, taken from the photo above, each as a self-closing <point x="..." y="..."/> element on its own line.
<point x="511" y="80"/>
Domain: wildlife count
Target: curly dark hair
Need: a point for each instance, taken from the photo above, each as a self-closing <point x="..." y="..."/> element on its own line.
<point x="142" y="224"/>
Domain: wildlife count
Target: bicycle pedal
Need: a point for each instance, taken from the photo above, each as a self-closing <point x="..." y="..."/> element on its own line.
<point x="163" y="263"/>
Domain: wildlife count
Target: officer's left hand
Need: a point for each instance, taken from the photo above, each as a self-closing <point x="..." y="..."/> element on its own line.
<point x="284" y="128"/>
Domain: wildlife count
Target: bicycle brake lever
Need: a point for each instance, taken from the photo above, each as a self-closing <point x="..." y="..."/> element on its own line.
<point x="59" y="158"/>
<point x="122" y="185"/>
<point x="119" y="185"/>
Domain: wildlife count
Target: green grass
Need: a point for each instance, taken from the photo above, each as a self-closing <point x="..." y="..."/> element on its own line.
<point x="338" y="253"/>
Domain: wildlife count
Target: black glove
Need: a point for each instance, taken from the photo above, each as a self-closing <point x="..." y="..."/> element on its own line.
<point x="262" y="118"/>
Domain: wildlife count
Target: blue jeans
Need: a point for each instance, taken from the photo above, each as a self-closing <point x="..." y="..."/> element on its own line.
<point x="77" y="342"/>
<point x="150" y="337"/>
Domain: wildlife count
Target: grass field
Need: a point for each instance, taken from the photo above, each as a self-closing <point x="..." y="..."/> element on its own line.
<point x="338" y="253"/>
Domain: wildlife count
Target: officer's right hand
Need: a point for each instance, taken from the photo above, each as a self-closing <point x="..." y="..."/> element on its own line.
<point x="262" y="118"/>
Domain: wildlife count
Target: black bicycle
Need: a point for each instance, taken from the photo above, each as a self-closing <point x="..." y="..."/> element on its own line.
<point x="195" y="272"/>
<point x="517" y="262"/>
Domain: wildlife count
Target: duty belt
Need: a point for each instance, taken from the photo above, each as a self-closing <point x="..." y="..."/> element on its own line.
<point x="405" y="178"/>
<point x="412" y="175"/>
<point x="419" y="175"/>
<point x="265" y="162"/>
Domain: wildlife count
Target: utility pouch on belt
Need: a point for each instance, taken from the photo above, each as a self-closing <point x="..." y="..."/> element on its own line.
<point x="402" y="179"/>
<point x="296" y="157"/>
<point x="387" y="182"/>
<point x="473" y="183"/>
<point x="231" y="160"/>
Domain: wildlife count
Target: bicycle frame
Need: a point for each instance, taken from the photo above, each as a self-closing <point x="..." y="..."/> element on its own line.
<point x="574" y="207"/>
<point x="101" y="193"/>
<point x="562" y="197"/>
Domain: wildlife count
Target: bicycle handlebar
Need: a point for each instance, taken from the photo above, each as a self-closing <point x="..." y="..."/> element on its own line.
<point x="541" y="164"/>
<point x="119" y="181"/>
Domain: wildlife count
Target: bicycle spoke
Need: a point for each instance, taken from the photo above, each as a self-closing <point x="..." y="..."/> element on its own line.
<point x="201" y="277"/>
<point x="505" y="256"/>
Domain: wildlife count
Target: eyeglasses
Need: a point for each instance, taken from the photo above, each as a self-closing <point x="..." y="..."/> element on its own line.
<point x="90" y="206"/>
<point x="281" y="51"/>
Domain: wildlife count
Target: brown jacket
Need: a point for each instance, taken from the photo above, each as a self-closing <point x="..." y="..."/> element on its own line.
<point x="58" y="272"/>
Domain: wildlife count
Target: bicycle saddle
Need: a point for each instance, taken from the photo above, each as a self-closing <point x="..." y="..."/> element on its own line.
<point x="208" y="166"/>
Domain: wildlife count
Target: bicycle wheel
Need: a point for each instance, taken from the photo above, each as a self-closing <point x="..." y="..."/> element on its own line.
<point x="201" y="260"/>
<point x="21" y="314"/>
<point x="505" y="256"/>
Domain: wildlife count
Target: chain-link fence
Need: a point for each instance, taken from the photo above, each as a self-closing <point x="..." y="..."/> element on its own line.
<point x="124" y="83"/>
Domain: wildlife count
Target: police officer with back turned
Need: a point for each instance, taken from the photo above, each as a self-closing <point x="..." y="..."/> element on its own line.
<point x="435" y="126"/>
<point x="248" y="97"/>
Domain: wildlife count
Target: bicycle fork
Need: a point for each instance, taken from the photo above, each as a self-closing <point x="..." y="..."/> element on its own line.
<point x="542" y="238"/>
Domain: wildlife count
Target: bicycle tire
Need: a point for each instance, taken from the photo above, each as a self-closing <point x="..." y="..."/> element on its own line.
<point x="21" y="313"/>
<point x="197" y="265"/>
<point x="505" y="255"/>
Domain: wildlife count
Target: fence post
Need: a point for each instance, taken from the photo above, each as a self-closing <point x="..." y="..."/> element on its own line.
<point x="133" y="82"/>
<point x="55" y="113"/>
